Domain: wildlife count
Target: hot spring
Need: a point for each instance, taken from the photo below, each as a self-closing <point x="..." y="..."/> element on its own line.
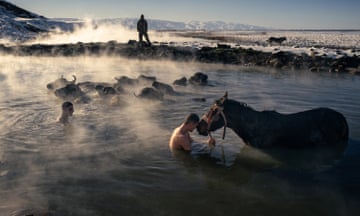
<point x="114" y="160"/>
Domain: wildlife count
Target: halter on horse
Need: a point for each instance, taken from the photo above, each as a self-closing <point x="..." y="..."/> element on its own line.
<point x="215" y="112"/>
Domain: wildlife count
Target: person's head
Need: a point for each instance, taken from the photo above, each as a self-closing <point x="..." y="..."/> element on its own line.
<point x="68" y="108"/>
<point x="142" y="16"/>
<point x="191" y="121"/>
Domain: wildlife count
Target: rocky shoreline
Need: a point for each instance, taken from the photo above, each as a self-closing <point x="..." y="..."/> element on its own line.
<point x="223" y="54"/>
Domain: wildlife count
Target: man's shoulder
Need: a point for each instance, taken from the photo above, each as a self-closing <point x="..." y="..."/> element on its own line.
<point x="178" y="136"/>
<point x="179" y="133"/>
<point x="180" y="142"/>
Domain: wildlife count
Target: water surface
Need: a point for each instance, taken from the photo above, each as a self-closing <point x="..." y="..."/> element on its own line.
<point x="114" y="160"/>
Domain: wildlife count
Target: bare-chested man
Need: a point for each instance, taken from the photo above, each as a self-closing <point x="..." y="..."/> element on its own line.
<point x="181" y="139"/>
<point x="67" y="111"/>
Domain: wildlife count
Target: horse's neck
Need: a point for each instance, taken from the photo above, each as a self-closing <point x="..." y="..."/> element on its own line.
<point x="241" y="120"/>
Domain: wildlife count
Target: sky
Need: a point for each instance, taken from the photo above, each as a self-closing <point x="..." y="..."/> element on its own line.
<point x="281" y="14"/>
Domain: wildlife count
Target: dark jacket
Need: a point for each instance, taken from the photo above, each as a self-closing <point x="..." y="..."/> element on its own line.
<point x="142" y="26"/>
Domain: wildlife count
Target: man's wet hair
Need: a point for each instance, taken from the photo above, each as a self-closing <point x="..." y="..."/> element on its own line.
<point x="67" y="104"/>
<point x="192" y="117"/>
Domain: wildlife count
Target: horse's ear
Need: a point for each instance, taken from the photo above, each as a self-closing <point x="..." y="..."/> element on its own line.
<point x="225" y="95"/>
<point x="222" y="99"/>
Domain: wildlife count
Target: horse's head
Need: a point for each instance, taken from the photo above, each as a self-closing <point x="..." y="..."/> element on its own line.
<point x="214" y="118"/>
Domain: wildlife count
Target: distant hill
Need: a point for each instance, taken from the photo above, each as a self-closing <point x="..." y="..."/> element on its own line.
<point x="173" y="25"/>
<point x="16" y="11"/>
<point x="19" y="25"/>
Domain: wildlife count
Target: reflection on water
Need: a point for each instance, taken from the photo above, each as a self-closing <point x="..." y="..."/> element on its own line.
<point x="115" y="160"/>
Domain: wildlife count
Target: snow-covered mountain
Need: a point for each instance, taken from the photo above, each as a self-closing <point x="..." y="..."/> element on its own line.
<point x="172" y="25"/>
<point x="17" y="24"/>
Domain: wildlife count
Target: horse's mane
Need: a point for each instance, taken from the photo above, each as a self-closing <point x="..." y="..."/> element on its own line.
<point x="237" y="103"/>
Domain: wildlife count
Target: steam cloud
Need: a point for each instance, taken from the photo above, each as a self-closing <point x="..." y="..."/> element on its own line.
<point x="92" y="31"/>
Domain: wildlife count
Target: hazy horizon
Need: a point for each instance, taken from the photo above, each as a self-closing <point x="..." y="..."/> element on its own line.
<point x="321" y="14"/>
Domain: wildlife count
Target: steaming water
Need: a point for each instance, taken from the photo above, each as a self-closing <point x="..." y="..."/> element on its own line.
<point x="114" y="160"/>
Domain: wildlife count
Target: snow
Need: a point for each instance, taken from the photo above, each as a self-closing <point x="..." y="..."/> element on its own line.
<point x="330" y="43"/>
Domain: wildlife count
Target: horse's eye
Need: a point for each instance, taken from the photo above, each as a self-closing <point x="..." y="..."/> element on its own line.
<point x="213" y="111"/>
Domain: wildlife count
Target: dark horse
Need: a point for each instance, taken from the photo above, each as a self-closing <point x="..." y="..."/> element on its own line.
<point x="315" y="127"/>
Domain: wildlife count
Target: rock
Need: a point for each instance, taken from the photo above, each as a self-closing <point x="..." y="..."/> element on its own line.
<point x="182" y="81"/>
<point x="150" y="93"/>
<point x="163" y="88"/>
<point x="198" y="78"/>
<point x="223" y="46"/>
<point x="132" y="42"/>
<point x="221" y="54"/>
<point x="280" y="59"/>
<point x="276" y="40"/>
<point x="199" y="99"/>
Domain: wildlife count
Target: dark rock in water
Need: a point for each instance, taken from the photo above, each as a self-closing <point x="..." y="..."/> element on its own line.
<point x="182" y="81"/>
<point x="199" y="79"/>
<point x="163" y="88"/>
<point x="199" y="99"/>
<point x="150" y="93"/>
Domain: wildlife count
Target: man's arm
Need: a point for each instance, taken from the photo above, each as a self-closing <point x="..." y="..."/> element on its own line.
<point x="185" y="143"/>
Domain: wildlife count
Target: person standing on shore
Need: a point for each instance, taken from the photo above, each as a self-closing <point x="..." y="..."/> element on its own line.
<point x="142" y="28"/>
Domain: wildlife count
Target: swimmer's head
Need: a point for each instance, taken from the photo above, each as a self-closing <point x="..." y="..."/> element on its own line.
<point x="192" y="118"/>
<point x="68" y="108"/>
<point x="192" y="121"/>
